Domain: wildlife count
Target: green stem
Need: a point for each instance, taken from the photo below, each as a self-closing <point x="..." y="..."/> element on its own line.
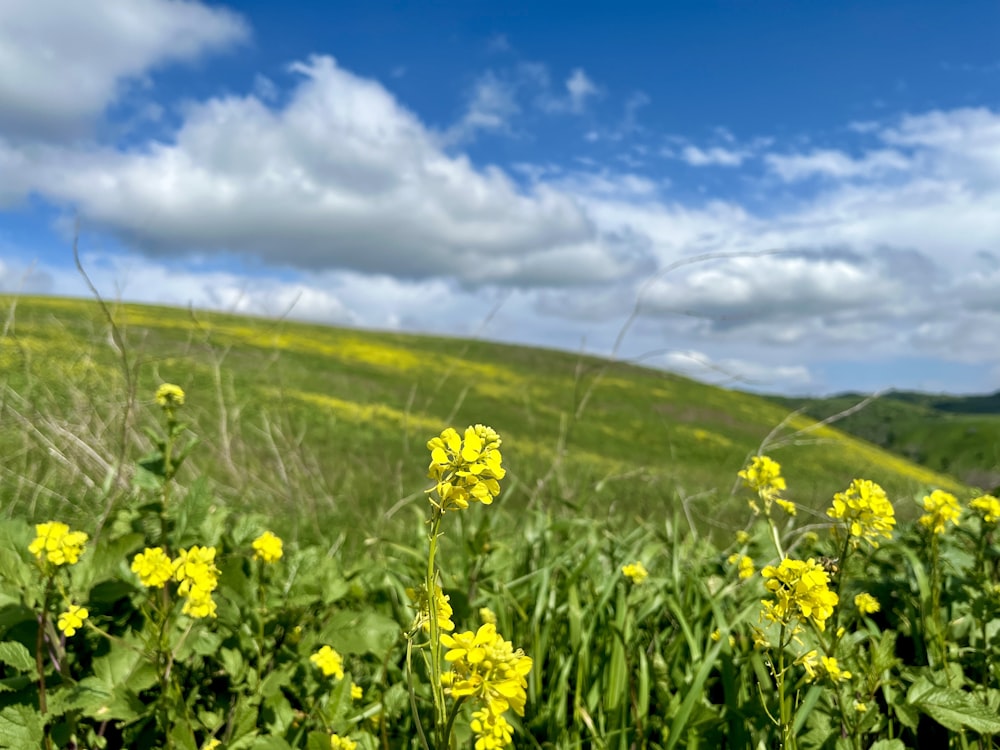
<point x="43" y="621"/>
<point x="437" y="691"/>
<point x="413" y="694"/>
<point x="452" y="716"/>
<point x="842" y="562"/>
<point x="774" y="535"/>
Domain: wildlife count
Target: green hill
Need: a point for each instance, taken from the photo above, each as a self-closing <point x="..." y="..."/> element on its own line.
<point x="958" y="435"/>
<point x="325" y="428"/>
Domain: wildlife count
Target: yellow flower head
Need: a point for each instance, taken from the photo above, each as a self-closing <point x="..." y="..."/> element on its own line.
<point x="153" y="566"/>
<point x="487" y="668"/>
<point x="635" y="572"/>
<point x="212" y="744"/>
<point x="465" y="469"/>
<point x="865" y="510"/>
<point x="487" y="615"/>
<point x="987" y="506"/>
<point x="866" y="604"/>
<point x="816" y="665"/>
<point x="441" y="605"/>
<point x="801" y="592"/>
<point x="942" y="507"/>
<point x="342" y="743"/>
<point x="744" y="564"/>
<point x="329" y="662"/>
<point x="763" y="476"/>
<point x="170" y="396"/>
<point x="56" y="544"/>
<point x="267" y="547"/>
<point x="356" y="692"/>
<point x="72" y="619"/>
<point x="195" y="569"/>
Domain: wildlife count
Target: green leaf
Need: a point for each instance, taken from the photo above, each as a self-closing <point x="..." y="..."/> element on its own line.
<point x="274" y="743"/>
<point x="360" y="632"/>
<point x="16" y="655"/>
<point x="953" y="709"/>
<point x="20" y="727"/>
<point x="888" y="745"/>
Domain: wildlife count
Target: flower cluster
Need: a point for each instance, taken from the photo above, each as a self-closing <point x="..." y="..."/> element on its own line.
<point x="635" y="572"/>
<point x="465" y="469"/>
<point x="72" y="619"/>
<point x="816" y="665"/>
<point x="743" y="563"/>
<point x="486" y="668"/>
<point x="169" y="396"/>
<point x="441" y="606"/>
<point x="154" y="567"/>
<point x="865" y="510"/>
<point x="267" y="547"/>
<point x="801" y="592"/>
<point x="987" y="506"/>
<point x="342" y="743"/>
<point x="941" y="508"/>
<point x="763" y="476"/>
<point x="866" y="604"/>
<point x="330" y="662"/>
<point x="195" y="570"/>
<point x="56" y="545"/>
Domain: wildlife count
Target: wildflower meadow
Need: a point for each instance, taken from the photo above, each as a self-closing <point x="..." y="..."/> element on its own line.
<point x="174" y="616"/>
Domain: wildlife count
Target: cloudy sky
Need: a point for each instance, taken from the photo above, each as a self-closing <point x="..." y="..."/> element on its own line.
<point x="779" y="195"/>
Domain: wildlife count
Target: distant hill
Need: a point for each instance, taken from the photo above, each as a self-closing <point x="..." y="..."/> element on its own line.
<point x="325" y="428"/>
<point x="958" y="435"/>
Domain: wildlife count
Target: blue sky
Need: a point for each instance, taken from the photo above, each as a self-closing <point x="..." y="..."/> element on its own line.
<point x="785" y="196"/>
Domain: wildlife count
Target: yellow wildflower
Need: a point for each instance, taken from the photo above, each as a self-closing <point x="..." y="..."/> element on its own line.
<point x="742" y="537"/>
<point x="814" y="664"/>
<point x="486" y="667"/>
<point x="865" y="510"/>
<point x="56" y="544"/>
<point x="987" y="506"/>
<point x="941" y="508"/>
<point x="356" y="692"/>
<point x="267" y="547"/>
<point x="744" y="565"/>
<point x="212" y="744"/>
<point x="860" y="707"/>
<point x="487" y="615"/>
<point x="442" y="608"/>
<point x="329" y="662"/>
<point x="153" y="566"/>
<point x="465" y="469"/>
<point x="195" y="569"/>
<point x="866" y="604"/>
<point x="342" y="743"/>
<point x="801" y="591"/>
<point x="763" y="476"/>
<point x="72" y="619"/>
<point x="833" y="670"/>
<point x="169" y="396"/>
<point x="635" y="572"/>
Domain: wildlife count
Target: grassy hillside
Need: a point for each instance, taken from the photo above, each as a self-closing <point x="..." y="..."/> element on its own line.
<point x="325" y="428"/>
<point x="959" y="435"/>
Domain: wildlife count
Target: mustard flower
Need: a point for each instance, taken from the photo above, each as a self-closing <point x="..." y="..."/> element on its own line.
<point x="833" y="670"/>
<point x="487" y="615"/>
<point x="329" y="662"/>
<point x="72" y="619"/>
<point x="742" y="537"/>
<point x="763" y="476"/>
<point x="212" y="744"/>
<point x="866" y="604"/>
<point x="635" y="572"/>
<point x="356" y="692"/>
<point x="465" y="469"/>
<point x="865" y="510"/>
<point x="153" y="566"/>
<point x="744" y="565"/>
<point x="492" y="730"/>
<point x="860" y="707"/>
<point x="816" y="665"/>
<point x="442" y="606"/>
<point x="195" y="569"/>
<point x="56" y="544"/>
<point x="987" y="506"/>
<point x="342" y="743"/>
<point x="801" y="592"/>
<point x="941" y="508"/>
<point x="170" y="396"/>
<point x="267" y="547"/>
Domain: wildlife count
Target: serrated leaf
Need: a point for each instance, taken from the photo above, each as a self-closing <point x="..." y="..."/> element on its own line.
<point x="20" y="727"/>
<point x="16" y="655"/>
<point x="953" y="709"/>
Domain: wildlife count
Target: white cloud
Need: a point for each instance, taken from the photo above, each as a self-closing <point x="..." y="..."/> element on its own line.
<point x="580" y="88"/>
<point x="62" y="62"/>
<point x="715" y="156"/>
<point x="836" y="164"/>
<point x="492" y="104"/>
<point x="745" y="373"/>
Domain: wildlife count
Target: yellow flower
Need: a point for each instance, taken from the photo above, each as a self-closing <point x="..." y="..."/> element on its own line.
<point x="465" y="469"/>
<point x="487" y="615"/>
<point x="442" y="607"/>
<point x="329" y="662"/>
<point x="212" y="744"/>
<point x="487" y="668"/>
<point x="763" y="476"/>
<point x="866" y="604"/>
<point x="356" y="692"/>
<point x="169" y="396"/>
<point x="342" y="743"/>
<point x="988" y="506"/>
<point x="635" y="572"/>
<point x="860" y="707"/>
<point x="941" y="508"/>
<point x="833" y="671"/>
<point x="153" y="566"/>
<point x="801" y="592"/>
<point x="267" y="547"/>
<point x="56" y="544"/>
<point x="744" y="565"/>
<point x="195" y="569"/>
<point x="865" y="510"/>
<point x="492" y="730"/>
<point x="72" y="619"/>
<point x="813" y="663"/>
<point x="742" y="537"/>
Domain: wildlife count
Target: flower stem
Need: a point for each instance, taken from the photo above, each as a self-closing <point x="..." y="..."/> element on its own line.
<point x="437" y="691"/>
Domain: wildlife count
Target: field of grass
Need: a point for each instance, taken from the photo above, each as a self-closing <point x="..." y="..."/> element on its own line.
<point x="328" y="425"/>
<point x="651" y="599"/>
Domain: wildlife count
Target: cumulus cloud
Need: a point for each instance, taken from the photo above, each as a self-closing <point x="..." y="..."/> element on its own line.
<point x="835" y="164"/>
<point x="715" y="156"/>
<point x="62" y="62"/>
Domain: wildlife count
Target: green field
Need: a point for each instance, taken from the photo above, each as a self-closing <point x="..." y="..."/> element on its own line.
<point x="328" y="425"/>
